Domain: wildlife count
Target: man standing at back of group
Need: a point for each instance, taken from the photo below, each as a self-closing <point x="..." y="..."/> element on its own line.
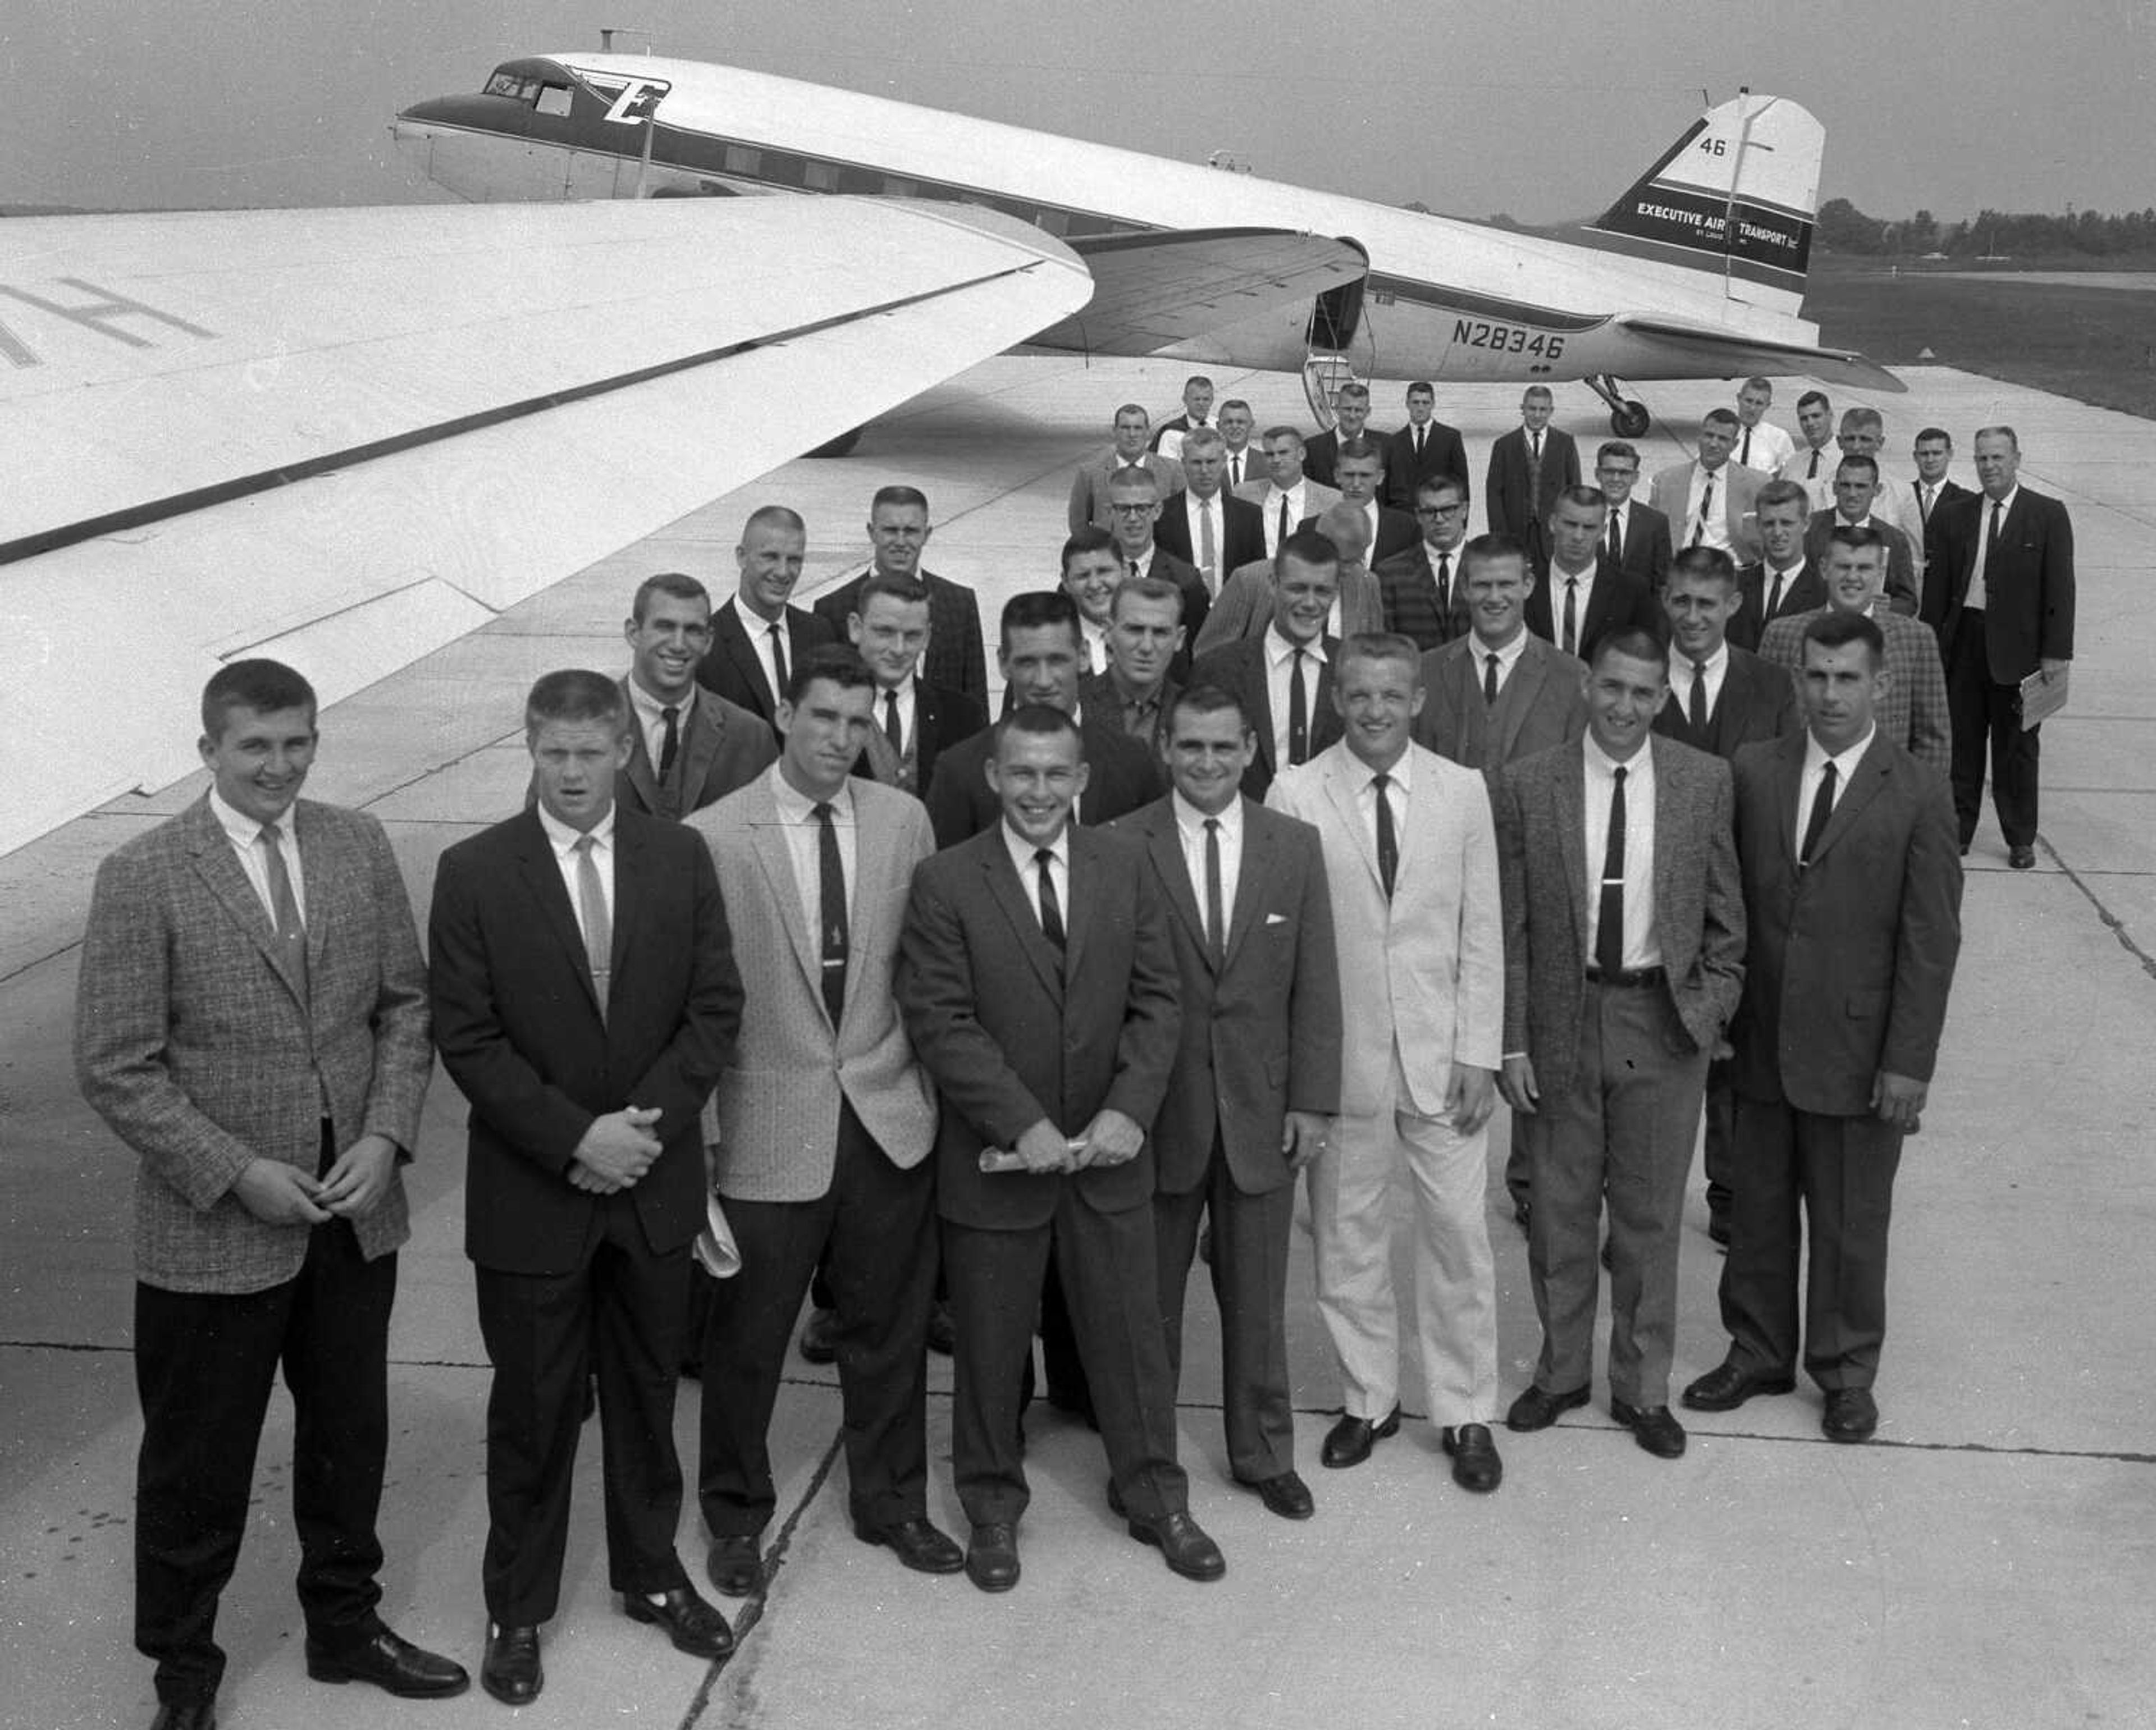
<point x="1204" y="526"/>
<point x="1529" y="466"/>
<point x="1197" y="412"/>
<point x="1284" y="496"/>
<point x="688" y="747"/>
<point x="758" y="636"/>
<point x="898" y="535"/>
<point x="1245" y="454"/>
<point x="1351" y="413"/>
<point x="1811" y="464"/>
<point x="1425" y="449"/>
<point x="1089" y="487"/>
<point x="1635" y="538"/>
<point x="1709" y="502"/>
<point x="1761" y="445"/>
<point x="252" y="1023"/>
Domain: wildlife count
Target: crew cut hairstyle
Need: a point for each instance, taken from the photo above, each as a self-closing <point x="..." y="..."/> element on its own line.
<point x="264" y="686"/>
<point x="1719" y="417"/>
<point x="678" y="584"/>
<point x="574" y="693"/>
<point x="912" y="592"/>
<point x="1858" y="536"/>
<point x="1706" y="561"/>
<point x="1855" y="459"/>
<point x="1206" y="700"/>
<point x="1378" y="646"/>
<point x="897" y="496"/>
<point x="1146" y="588"/>
<point x="1037" y="720"/>
<point x="841" y="667"/>
<point x="781" y="516"/>
<point x="1837" y="629"/>
<point x="1307" y="545"/>
<point x="1485" y="547"/>
<point x="1582" y="497"/>
<point x="1634" y="643"/>
<point x="1036" y="609"/>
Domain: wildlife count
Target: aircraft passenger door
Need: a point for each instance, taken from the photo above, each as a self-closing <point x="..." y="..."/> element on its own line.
<point x="1337" y="316"/>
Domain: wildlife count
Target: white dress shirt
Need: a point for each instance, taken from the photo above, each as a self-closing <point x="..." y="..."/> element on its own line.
<point x="1508" y="657"/>
<point x="1028" y="870"/>
<point x="1196" y="510"/>
<point x="1769" y="447"/>
<point x="245" y="833"/>
<point x="1643" y="946"/>
<point x="1680" y="678"/>
<point x="1270" y="504"/>
<point x="804" y="844"/>
<point x="1974" y="599"/>
<point x="1820" y="486"/>
<point x="1584" y="582"/>
<point x="1815" y="761"/>
<point x="1715" y="531"/>
<point x="759" y="640"/>
<point x="1172" y="437"/>
<point x="1280" y="670"/>
<point x="906" y="711"/>
<point x="1093" y="644"/>
<point x="652" y="722"/>
<point x="1190" y="826"/>
<point x="563" y="840"/>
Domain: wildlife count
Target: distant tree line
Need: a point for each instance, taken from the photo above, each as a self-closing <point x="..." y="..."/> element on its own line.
<point x="1844" y="228"/>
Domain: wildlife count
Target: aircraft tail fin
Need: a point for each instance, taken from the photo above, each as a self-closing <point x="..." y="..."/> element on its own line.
<point x="1736" y="195"/>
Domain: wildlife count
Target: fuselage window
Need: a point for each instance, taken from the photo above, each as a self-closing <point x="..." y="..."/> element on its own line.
<point x="895" y="187"/>
<point x="554" y="98"/>
<point x="821" y="176"/>
<point x="1055" y="221"/>
<point x="742" y="159"/>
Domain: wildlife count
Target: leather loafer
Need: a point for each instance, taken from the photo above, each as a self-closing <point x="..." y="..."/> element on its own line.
<point x="1182" y="1545"/>
<point x="694" y="1626"/>
<point x="1349" y="1442"/>
<point x="1652" y="1427"/>
<point x="2021" y="859"/>
<point x="819" y="1338"/>
<point x="1729" y="1385"/>
<point x="394" y="1665"/>
<point x="1851" y="1414"/>
<point x="918" y="1544"/>
<point x="734" y="1567"/>
<point x="991" y="1556"/>
<point x="1475" y="1463"/>
<point x="1534" y="1410"/>
<point x="185" y="1715"/>
<point x="1284" y="1494"/>
<point x="510" y="1671"/>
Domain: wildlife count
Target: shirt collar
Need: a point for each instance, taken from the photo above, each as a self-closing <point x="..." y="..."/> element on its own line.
<point x="1600" y="762"/>
<point x="2013" y="493"/>
<point x="1278" y="648"/>
<point x="1845" y="761"/>
<point x="652" y="708"/>
<point x="244" y="831"/>
<point x="1191" y="820"/>
<point x="795" y="806"/>
<point x="563" y="839"/>
<point x="1713" y="664"/>
<point x="1022" y="850"/>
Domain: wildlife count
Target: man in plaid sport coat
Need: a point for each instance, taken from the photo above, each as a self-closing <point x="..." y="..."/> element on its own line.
<point x="252" y="1021"/>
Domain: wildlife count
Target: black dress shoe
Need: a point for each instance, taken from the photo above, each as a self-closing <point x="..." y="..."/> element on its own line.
<point x="820" y="1337"/>
<point x="1652" y="1427"/>
<point x="1534" y="1410"/>
<point x="694" y="1626"/>
<point x="185" y="1715"/>
<point x="1851" y="1414"/>
<point x="734" y="1567"/>
<point x="1475" y="1463"/>
<point x="1729" y="1385"/>
<point x="2021" y="859"/>
<point x="1182" y="1545"/>
<point x="942" y="1333"/>
<point x="394" y="1665"/>
<point x="1349" y="1442"/>
<point x="1284" y="1494"/>
<point x="991" y="1556"/>
<point x="919" y="1545"/>
<point x="511" y="1670"/>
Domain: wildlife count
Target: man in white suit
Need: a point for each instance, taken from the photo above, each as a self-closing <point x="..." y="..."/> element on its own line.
<point x="821" y="1124"/>
<point x="1411" y="861"/>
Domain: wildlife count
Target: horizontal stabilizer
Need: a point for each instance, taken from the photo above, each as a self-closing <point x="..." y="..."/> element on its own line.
<point x="1153" y="289"/>
<point x="1701" y="350"/>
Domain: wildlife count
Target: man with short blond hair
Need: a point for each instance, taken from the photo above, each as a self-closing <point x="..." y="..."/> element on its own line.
<point x="1129" y="448"/>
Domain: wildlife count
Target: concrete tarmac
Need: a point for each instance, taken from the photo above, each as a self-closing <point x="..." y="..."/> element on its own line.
<point x="1988" y="1561"/>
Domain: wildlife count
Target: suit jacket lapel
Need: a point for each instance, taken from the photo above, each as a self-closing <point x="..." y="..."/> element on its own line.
<point x="872" y="866"/>
<point x="1344" y="785"/>
<point x="1791" y="768"/>
<point x="628" y="868"/>
<point x="543" y="878"/>
<point x="1249" y="886"/>
<point x="1164" y="841"/>
<point x="768" y="836"/>
<point x="734" y="628"/>
<point x="226" y="879"/>
<point x="1865" y="781"/>
<point x="1016" y="901"/>
<point x="699" y="744"/>
<point x="1514" y="700"/>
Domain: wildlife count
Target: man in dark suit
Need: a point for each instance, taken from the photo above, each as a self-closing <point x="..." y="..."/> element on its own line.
<point x="1635" y="536"/>
<point x="1245" y="461"/>
<point x="1358" y="470"/>
<point x="1037" y="982"/>
<point x="898" y="535"/>
<point x="1205" y="519"/>
<point x="1351" y="419"/>
<point x="1284" y="678"/>
<point x="1421" y="591"/>
<point x="1580" y="594"/>
<point x="1932" y="452"/>
<point x="1852" y="894"/>
<point x="1134" y="504"/>
<point x="1720" y="699"/>
<point x="1425" y="449"/>
<point x="915" y="719"/>
<point x="2000" y="594"/>
<point x="1855" y="487"/>
<point x="1039" y="660"/>
<point x="758" y="636"/>
<point x="1145" y="653"/>
<point x="586" y="1000"/>
<point x="252" y="1023"/>
<point x="1257" y="1073"/>
<point x="1785" y="581"/>
<point x="1197" y="412"/>
<point x="1624" y="956"/>
<point x="1529" y="466"/>
<point x="688" y="747"/>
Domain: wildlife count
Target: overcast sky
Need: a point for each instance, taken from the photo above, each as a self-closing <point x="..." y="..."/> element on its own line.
<point x="1472" y="106"/>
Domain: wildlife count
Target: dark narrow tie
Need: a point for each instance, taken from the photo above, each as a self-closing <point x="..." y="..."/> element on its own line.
<point x="1991" y="547"/>
<point x="1812" y="472"/>
<point x="669" y="747"/>
<point x="291" y="932"/>
<point x="1774" y="595"/>
<point x="831" y="898"/>
<point x="1924" y="504"/>
<point x="778" y="662"/>
<point x="1610" y="927"/>
<point x="598" y="923"/>
<point x="1444" y="587"/>
<point x="1696" y="710"/>
<point x="1051" y="909"/>
<point x="1286" y="528"/>
<point x="1744" y="456"/>
<point x="1216" y="924"/>
<point x="1706" y="511"/>
<point x="1822" y="809"/>
<point x="891" y="729"/>
<point x="1616" y="540"/>
<point x="1490" y="679"/>
<point x="1298" y="713"/>
<point x="1234" y="472"/>
<point x="1571" y="643"/>
<point x="1388" y="846"/>
<point x="1419" y="432"/>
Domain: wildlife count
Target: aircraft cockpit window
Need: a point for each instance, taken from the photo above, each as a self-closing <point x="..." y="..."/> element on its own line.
<point x="513" y="86"/>
<point x="553" y="99"/>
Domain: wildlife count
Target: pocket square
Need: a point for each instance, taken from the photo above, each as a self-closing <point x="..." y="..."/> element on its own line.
<point x="1276" y="918"/>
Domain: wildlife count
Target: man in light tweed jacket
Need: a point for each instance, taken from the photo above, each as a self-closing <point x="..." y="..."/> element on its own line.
<point x="824" y="1120"/>
<point x="252" y="1021"/>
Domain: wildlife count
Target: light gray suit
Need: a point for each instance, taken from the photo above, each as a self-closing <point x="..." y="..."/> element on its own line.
<point x="1539" y="705"/>
<point x="1244" y="606"/>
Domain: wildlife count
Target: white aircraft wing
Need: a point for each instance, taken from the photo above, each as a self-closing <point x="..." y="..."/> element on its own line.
<point x="1151" y="289"/>
<point x="1696" y="350"/>
<point x="345" y="438"/>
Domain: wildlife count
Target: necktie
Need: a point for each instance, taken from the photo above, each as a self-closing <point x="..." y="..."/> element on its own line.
<point x="1696" y="710"/>
<point x="1924" y="503"/>
<point x="1216" y="924"/>
<point x="1388" y="846"/>
<point x="1744" y="454"/>
<point x="669" y="747"/>
<point x="1235" y="470"/>
<point x="1443" y="589"/>
<point x="1490" y="679"/>
<point x="598" y="923"/>
<point x="1571" y="643"/>
<point x="1774" y="595"/>
<point x="1298" y="713"/>
<point x="1535" y="467"/>
<point x="778" y="662"/>
<point x="1609" y="926"/>
<point x="1419" y="432"/>
<point x="1286" y="528"/>
<point x="1208" y="556"/>
<point x="1051" y="909"/>
<point x="892" y="730"/>
<point x="291" y="933"/>
<point x="1706" y="511"/>
<point x="1822" y="809"/>
<point x="831" y="898"/>
<point x="1616" y="540"/>
<point x="1812" y="472"/>
<point x="1991" y="545"/>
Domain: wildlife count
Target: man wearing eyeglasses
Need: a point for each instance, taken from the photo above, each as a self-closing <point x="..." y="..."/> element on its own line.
<point x="1636" y="537"/>
<point x="1423" y="590"/>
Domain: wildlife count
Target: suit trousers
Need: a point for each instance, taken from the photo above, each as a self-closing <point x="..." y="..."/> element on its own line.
<point x="1842" y="1171"/>
<point x="1110" y="1277"/>
<point x="873" y="1233"/>
<point x="1719" y="1156"/>
<point x="619" y="1313"/>
<point x="1983" y="713"/>
<point x="1624" y="1127"/>
<point x="1250" y="1283"/>
<point x="203" y="1364"/>
<point x="1353" y="1217"/>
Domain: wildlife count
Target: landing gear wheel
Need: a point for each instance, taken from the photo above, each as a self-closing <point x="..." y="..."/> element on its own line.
<point x="1631" y="420"/>
<point x="843" y="445"/>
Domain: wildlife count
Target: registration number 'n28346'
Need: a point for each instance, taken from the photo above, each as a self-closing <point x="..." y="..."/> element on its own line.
<point x="1506" y="339"/>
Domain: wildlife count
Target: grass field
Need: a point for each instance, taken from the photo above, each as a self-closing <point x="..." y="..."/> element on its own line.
<point x="2096" y="345"/>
